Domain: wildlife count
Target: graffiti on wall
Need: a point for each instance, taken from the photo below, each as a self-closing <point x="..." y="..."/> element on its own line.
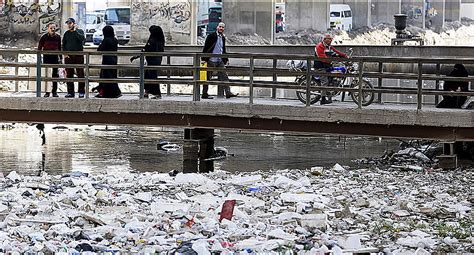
<point x="50" y="13"/>
<point x="17" y="18"/>
<point x="173" y="16"/>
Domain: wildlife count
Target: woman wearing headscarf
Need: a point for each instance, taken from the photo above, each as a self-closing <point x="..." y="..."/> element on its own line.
<point x="109" y="43"/>
<point x="155" y="43"/>
<point x="455" y="101"/>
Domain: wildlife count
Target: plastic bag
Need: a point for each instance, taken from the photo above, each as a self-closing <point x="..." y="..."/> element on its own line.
<point x="62" y="73"/>
<point x="203" y="73"/>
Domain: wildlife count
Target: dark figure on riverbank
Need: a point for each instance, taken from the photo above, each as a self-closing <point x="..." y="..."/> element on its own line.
<point x="73" y="40"/>
<point x="109" y="43"/>
<point x="452" y="86"/>
<point x="51" y="41"/>
<point x="155" y="43"/>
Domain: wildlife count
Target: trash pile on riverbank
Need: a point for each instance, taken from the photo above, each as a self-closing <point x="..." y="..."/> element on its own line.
<point x="311" y="211"/>
<point x="453" y="34"/>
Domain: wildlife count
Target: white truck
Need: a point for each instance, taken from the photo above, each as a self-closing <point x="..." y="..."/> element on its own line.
<point x="340" y="17"/>
<point x="119" y="19"/>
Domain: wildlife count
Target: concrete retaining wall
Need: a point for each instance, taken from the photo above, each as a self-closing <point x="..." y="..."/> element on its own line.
<point x="22" y="19"/>
<point x="174" y="17"/>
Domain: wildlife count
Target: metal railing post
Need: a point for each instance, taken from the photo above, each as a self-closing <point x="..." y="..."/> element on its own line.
<point x="420" y="85"/>
<point x="87" y="74"/>
<point x="308" y="82"/>
<point x="197" y="85"/>
<point x="142" y="76"/>
<point x="17" y="86"/>
<point x="251" y="80"/>
<point x="38" y="74"/>
<point x="380" y="80"/>
<point x="438" y="71"/>
<point x="274" y="90"/>
<point x="168" y="76"/>
<point x="361" y="77"/>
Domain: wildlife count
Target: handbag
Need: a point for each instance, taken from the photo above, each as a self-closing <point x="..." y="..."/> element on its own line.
<point x="203" y="73"/>
<point x="62" y="73"/>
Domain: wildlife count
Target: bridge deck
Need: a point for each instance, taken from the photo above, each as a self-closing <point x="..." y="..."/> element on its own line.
<point x="390" y="120"/>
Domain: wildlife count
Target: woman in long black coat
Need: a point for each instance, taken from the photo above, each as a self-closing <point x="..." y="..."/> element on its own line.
<point x="155" y="43"/>
<point x="455" y="101"/>
<point x="109" y="43"/>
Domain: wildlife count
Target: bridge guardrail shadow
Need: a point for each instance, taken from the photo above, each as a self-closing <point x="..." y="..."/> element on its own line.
<point x="184" y="68"/>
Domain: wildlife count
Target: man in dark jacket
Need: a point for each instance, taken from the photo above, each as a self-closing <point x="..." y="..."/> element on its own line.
<point x="73" y="40"/>
<point x="51" y="41"/>
<point x="215" y="43"/>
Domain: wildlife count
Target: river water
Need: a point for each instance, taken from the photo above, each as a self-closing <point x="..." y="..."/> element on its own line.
<point x="98" y="148"/>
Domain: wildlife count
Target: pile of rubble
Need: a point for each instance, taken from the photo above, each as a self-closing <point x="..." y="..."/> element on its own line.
<point x="313" y="211"/>
<point x="454" y="33"/>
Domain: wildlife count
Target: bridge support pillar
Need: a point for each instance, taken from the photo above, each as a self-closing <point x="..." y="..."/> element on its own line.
<point x="449" y="158"/>
<point x="198" y="146"/>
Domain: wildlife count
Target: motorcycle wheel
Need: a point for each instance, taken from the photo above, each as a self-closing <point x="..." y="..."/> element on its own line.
<point x="367" y="97"/>
<point x="301" y="93"/>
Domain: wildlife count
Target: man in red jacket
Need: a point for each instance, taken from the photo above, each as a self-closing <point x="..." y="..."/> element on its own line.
<point x="51" y="41"/>
<point x="325" y="50"/>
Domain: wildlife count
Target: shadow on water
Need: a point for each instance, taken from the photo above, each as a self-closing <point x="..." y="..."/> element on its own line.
<point x="97" y="149"/>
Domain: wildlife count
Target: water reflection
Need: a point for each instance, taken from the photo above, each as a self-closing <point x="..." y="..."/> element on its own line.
<point x="96" y="148"/>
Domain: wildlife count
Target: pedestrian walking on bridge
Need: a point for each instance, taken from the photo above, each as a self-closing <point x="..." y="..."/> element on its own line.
<point x="155" y="43"/>
<point x="109" y="43"/>
<point x="215" y="43"/>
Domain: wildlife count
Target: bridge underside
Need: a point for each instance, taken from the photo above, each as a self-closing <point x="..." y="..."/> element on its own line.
<point x="282" y="118"/>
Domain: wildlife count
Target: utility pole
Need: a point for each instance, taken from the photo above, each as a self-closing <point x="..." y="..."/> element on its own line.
<point x="194" y="15"/>
<point x="273" y="25"/>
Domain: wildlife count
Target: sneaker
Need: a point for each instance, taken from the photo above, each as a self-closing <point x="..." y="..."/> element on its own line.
<point x="206" y="96"/>
<point x="46" y="94"/>
<point x="82" y="95"/>
<point x="155" y="96"/>
<point x="145" y="95"/>
<point x="229" y="95"/>
<point x="55" y="95"/>
<point x="69" y="95"/>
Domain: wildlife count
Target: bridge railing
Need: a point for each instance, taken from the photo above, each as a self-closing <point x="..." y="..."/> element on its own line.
<point x="184" y="68"/>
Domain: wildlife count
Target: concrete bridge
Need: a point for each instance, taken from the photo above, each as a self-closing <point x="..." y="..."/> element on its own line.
<point x="251" y="111"/>
<point x="264" y="114"/>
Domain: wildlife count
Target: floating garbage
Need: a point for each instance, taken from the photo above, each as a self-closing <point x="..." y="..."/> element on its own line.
<point x="168" y="146"/>
<point x="338" y="210"/>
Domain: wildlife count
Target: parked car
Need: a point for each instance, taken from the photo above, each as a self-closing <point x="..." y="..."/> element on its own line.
<point x="94" y="22"/>
<point x="97" y="37"/>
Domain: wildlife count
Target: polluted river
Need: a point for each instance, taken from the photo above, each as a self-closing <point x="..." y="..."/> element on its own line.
<point x="112" y="190"/>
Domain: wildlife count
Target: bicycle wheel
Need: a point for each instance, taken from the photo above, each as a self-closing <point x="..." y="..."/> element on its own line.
<point x="301" y="93"/>
<point x="367" y="96"/>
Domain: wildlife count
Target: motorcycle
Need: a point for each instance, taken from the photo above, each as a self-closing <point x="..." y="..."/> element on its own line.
<point x="343" y="67"/>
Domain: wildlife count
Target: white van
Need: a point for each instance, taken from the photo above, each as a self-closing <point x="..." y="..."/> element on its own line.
<point x="340" y="17"/>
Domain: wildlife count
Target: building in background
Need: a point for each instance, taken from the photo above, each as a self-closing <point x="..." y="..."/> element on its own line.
<point x="182" y="20"/>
